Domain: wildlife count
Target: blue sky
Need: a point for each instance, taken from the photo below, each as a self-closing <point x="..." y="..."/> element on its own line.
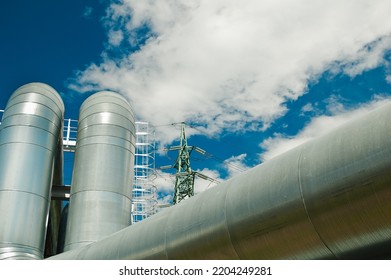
<point x="252" y="78"/>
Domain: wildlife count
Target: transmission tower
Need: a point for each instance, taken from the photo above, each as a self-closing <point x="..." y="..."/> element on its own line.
<point x="184" y="177"/>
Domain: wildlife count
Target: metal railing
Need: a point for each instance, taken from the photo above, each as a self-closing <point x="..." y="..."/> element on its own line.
<point x="69" y="135"/>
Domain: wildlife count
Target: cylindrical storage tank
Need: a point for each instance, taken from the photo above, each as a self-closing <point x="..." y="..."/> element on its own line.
<point x="29" y="136"/>
<point x="100" y="201"/>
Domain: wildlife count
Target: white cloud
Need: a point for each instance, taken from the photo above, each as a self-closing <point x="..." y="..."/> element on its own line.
<point x="368" y="57"/>
<point x="235" y="165"/>
<point x="165" y="182"/>
<point x="227" y="63"/>
<point x="318" y="126"/>
<point x="308" y="108"/>
<point x="202" y="184"/>
<point x="115" y="37"/>
<point x="166" y="200"/>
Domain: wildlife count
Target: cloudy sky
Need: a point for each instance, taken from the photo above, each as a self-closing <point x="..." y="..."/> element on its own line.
<point x="251" y="78"/>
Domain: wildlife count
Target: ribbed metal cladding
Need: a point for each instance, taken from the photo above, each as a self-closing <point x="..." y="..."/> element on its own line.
<point x="327" y="199"/>
<point x="29" y="138"/>
<point x="100" y="201"/>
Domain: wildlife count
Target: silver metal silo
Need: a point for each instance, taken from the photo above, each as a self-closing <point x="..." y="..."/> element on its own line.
<point x="29" y="138"/>
<point x="100" y="201"/>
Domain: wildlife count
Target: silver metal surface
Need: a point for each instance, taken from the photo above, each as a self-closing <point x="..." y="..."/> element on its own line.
<point x="327" y="199"/>
<point x="100" y="201"/>
<point x="29" y="139"/>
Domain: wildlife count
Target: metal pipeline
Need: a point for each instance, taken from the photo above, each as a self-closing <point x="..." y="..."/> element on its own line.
<point x="30" y="132"/>
<point x="327" y="199"/>
<point x="100" y="201"/>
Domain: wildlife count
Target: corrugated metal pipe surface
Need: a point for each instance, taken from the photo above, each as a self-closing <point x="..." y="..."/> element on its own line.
<point x="29" y="138"/>
<point x="100" y="201"/>
<point x="327" y="199"/>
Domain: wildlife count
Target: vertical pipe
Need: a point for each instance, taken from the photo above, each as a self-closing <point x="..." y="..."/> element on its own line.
<point x="29" y="136"/>
<point x="52" y="234"/>
<point x="100" y="201"/>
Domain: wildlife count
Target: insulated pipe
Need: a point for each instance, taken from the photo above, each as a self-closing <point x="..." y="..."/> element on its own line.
<point x="29" y="138"/>
<point x="100" y="201"/>
<point x="326" y="199"/>
<point x="52" y="234"/>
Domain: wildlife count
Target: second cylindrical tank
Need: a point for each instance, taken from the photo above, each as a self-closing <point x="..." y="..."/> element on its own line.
<point x="100" y="201"/>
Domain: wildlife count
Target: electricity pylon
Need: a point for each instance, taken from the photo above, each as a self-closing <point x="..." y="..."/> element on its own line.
<point x="184" y="177"/>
